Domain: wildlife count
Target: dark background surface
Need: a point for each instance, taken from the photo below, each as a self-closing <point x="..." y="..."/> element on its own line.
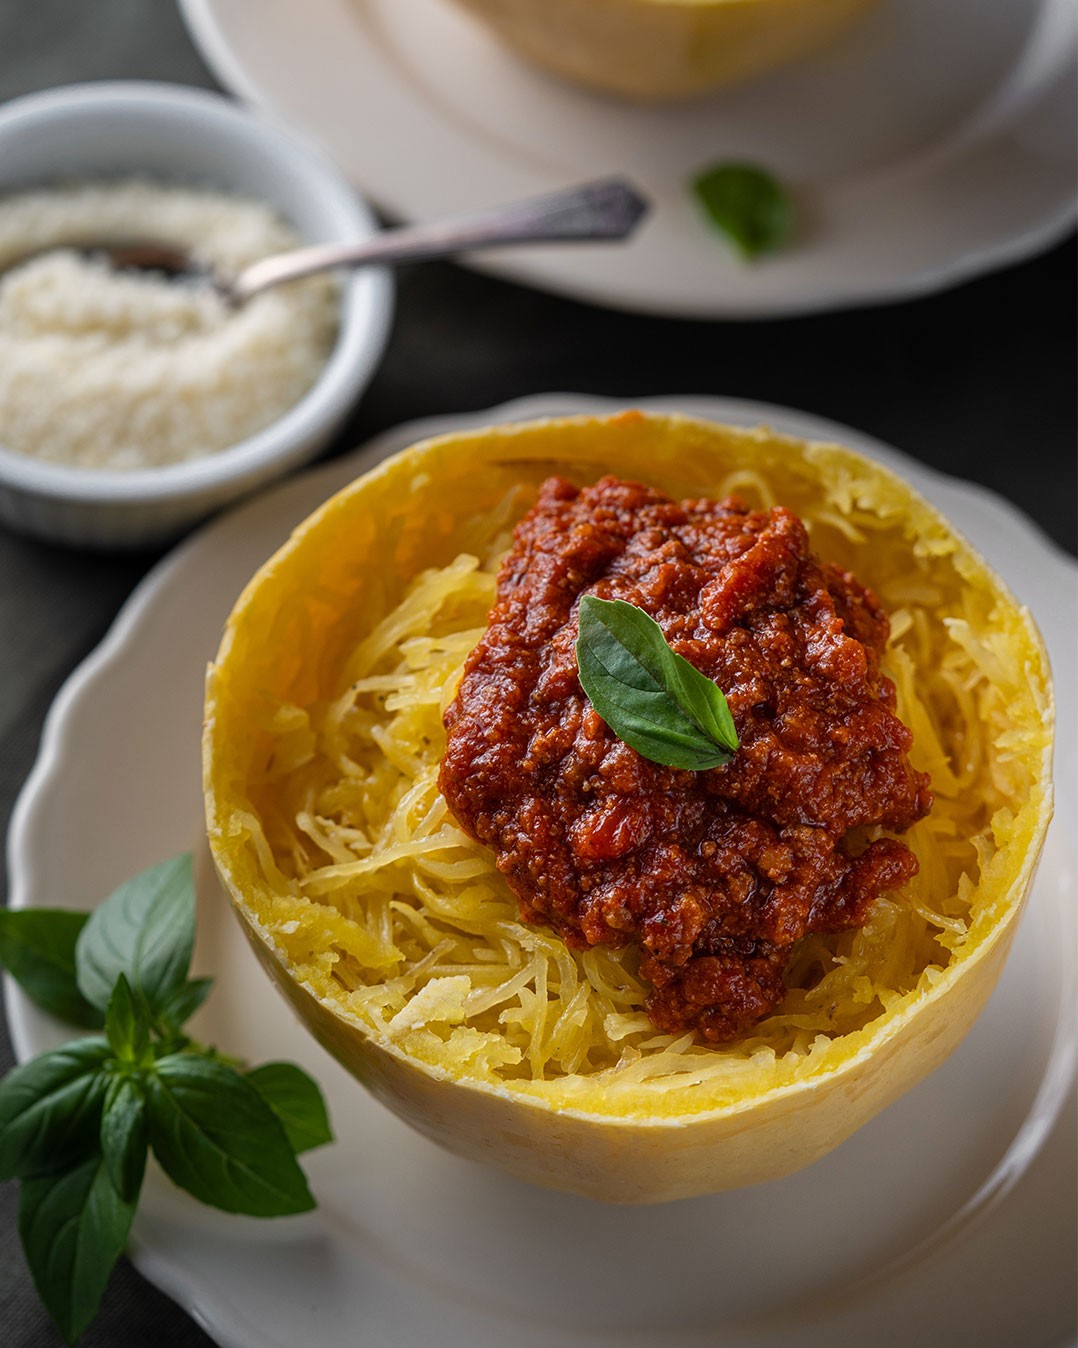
<point x="978" y="381"/>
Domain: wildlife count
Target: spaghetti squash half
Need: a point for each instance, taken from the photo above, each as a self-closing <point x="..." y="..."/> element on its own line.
<point x="653" y="50"/>
<point x="397" y="940"/>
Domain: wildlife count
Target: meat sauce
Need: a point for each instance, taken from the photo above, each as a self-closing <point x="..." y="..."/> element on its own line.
<point x="718" y="874"/>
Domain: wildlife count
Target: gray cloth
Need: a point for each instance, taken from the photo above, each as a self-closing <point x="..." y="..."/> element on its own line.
<point x="977" y="381"/>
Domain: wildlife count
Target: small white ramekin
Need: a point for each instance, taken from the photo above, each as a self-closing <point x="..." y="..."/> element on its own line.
<point x="185" y="135"/>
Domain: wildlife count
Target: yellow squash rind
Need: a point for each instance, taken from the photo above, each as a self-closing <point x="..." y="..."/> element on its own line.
<point x="350" y="561"/>
<point x="653" y="50"/>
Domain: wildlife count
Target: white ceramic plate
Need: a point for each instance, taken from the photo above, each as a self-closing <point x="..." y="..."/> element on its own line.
<point x="935" y="140"/>
<point x="948" y="1220"/>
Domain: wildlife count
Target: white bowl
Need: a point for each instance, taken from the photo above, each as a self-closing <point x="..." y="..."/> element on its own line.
<point x="185" y="135"/>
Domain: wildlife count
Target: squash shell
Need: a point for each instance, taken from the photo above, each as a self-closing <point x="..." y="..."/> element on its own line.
<point x="652" y="50"/>
<point x="410" y="513"/>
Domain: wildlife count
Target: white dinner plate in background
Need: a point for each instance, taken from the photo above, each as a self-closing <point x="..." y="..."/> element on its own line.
<point x="948" y="1221"/>
<point x="935" y="140"/>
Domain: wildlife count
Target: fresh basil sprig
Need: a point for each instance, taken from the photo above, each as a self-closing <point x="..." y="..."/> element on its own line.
<point x="749" y="206"/>
<point x="77" y="1123"/>
<point x="649" y="696"/>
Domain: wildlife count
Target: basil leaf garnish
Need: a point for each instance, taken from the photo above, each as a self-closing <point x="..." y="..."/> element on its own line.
<point x="126" y="1026"/>
<point x="76" y="1124"/>
<point x="145" y="930"/>
<point x="185" y="1001"/>
<point x="124" y="1135"/>
<point x="296" y="1101"/>
<point x="50" y="1107"/>
<point x="649" y="696"/>
<point x="748" y="205"/>
<point x="37" y="948"/>
<point x="217" y="1138"/>
<point x="74" y="1227"/>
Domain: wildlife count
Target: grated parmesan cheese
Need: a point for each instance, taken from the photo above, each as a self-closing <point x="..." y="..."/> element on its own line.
<point x="107" y="369"/>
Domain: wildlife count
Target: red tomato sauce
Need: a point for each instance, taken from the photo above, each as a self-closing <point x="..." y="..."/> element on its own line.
<point x="716" y="875"/>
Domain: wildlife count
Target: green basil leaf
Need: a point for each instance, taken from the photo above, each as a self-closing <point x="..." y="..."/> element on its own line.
<point x="217" y="1138"/>
<point x="185" y="1001"/>
<point x="701" y="699"/>
<point x="50" y="1108"/>
<point x="125" y="1136"/>
<point x="649" y="696"/>
<point x="126" y="1026"/>
<point x="748" y="205"/>
<point x="37" y="948"/>
<point x="74" y="1226"/>
<point x="296" y="1101"/>
<point x="144" y="930"/>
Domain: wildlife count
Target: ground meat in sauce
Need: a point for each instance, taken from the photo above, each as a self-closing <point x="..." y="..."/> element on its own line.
<point x="715" y="874"/>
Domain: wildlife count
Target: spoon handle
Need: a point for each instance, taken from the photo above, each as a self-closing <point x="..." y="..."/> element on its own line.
<point x="607" y="209"/>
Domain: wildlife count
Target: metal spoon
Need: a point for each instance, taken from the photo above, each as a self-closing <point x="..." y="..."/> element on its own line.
<point x="608" y="209"/>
